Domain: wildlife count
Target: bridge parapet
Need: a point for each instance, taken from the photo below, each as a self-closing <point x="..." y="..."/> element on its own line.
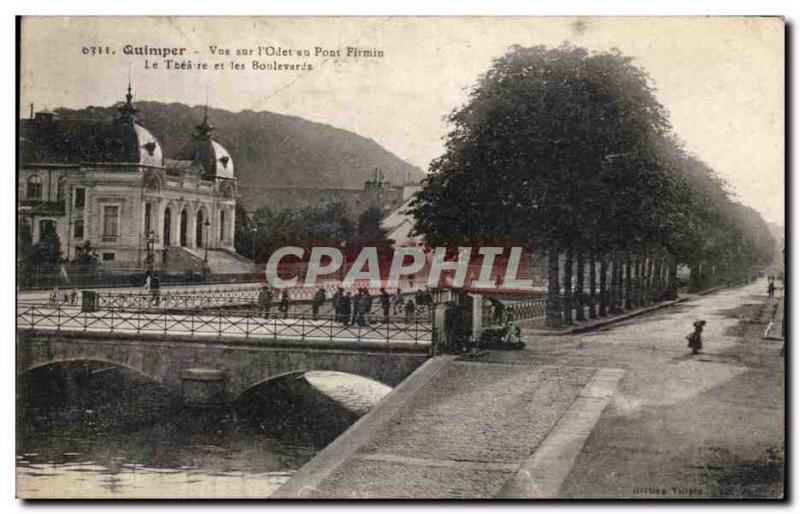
<point x="217" y="370"/>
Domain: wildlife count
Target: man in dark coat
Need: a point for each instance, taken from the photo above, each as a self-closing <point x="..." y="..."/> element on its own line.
<point x="410" y="310"/>
<point x="265" y="301"/>
<point x="386" y="304"/>
<point x="336" y="300"/>
<point x="346" y="304"/>
<point x="364" y="308"/>
<point x="317" y="301"/>
<point x="284" y="305"/>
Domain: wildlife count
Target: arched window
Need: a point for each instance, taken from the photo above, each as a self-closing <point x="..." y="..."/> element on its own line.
<point x="184" y="224"/>
<point x="34" y="190"/>
<point x="167" y="227"/>
<point x="198" y="237"/>
<point x="221" y="226"/>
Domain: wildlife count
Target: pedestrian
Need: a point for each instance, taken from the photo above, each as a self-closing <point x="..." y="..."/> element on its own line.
<point x="386" y="304"/>
<point x="365" y="306"/>
<point x="695" y="338"/>
<point x="398" y="301"/>
<point x="497" y="311"/>
<point x="410" y="309"/>
<point x="346" y="307"/>
<point x="73" y="297"/>
<point x="265" y="301"/>
<point x="54" y="296"/>
<point x="354" y="307"/>
<point x="337" y="303"/>
<point x="283" y="307"/>
<point x="146" y="285"/>
<point x="155" y="285"/>
<point x="317" y="301"/>
<point x="771" y="289"/>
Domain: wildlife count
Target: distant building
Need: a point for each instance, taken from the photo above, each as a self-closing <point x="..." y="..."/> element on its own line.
<point x="398" y="223"/>
<point x="109" y="184"/>
<point x="377" y="192"/>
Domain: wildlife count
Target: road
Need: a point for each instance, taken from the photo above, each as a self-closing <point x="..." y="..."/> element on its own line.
<point x="680" y="425"/>
<point x="623" y="412"/>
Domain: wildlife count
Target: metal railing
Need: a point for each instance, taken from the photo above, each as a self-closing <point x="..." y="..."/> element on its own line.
<point x="170" y="300"/>
<point x="241" y="296"/>
<point x="100" y="277"/>
<point x="527" y="309"/>
<point x="249" y="325"/>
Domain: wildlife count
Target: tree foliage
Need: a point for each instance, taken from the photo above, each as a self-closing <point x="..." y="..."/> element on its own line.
<point x="330" y="224"/>
<point x="560" y="149"/>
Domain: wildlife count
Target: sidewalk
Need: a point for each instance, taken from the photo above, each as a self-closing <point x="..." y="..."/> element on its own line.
<point x="592" y="324"/>
<point x="463" y="428"/>
<point x="533" y="327"/>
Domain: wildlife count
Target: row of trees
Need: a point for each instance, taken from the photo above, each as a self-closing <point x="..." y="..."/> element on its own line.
<point x="568" y="152"/>
<point x="332" y="224"/>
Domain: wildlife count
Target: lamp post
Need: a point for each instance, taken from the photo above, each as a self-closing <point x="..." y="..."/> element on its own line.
<point x="151" y="238"/>
<point x="205" y="250"/>
<point x="343" y="244"/>
<point x="253" y="231"/>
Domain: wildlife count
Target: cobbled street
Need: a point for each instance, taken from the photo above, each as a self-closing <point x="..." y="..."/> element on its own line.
<point x="622" y="412"/>
<point x="682" y="425"/>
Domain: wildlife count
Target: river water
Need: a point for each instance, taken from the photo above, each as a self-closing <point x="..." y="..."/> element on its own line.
<point x="111" y="434"/>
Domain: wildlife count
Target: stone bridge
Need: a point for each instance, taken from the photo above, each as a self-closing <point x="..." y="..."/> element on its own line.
<point x="216" y="371"/>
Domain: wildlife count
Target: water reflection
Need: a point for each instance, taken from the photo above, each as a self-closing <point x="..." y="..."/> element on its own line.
<point x="84" y="434"/>
<point x="158" y="463"/>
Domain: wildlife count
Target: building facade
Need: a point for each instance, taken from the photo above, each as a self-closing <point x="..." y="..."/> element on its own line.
<point x="109" y="186"/>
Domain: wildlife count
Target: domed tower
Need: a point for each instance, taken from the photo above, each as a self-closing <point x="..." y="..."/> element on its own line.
<point x="205" y="151"/>
<point x="131" y="142"/>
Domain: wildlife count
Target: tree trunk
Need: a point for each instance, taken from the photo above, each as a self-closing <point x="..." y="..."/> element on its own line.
<point x="579" y="307"/>
<point x="568" y="294"/>
<point x="694" y="278"/>
<point x="651" y="278"/>
<point x="553" y="289"/>
<point x="616" y="289"/>
<point x="673" y="281"/>
<point x="636" y="297"/>
<point x="603" y="286"/>
<point x="639" y="273"/>
<point x="592" y="286"/>
<point x="628" y="285"/>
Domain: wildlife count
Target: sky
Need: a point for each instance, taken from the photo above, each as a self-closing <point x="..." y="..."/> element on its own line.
<point x="722" y="79"/>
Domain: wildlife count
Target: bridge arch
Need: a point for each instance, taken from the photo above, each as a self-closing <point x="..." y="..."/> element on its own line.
<point x="299" y="372"/>
<point x="73" y="360"/>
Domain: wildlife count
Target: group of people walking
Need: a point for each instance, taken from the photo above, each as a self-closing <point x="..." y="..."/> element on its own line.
<point x="265" y="299"/>
<point x="356" y="309"/>
<point x="771" y="287"/>
<point x="66" y="297"/>
<point x="351" y="308"/>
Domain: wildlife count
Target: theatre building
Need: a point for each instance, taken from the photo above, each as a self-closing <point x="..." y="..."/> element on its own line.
<point x="109" y="184"/>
